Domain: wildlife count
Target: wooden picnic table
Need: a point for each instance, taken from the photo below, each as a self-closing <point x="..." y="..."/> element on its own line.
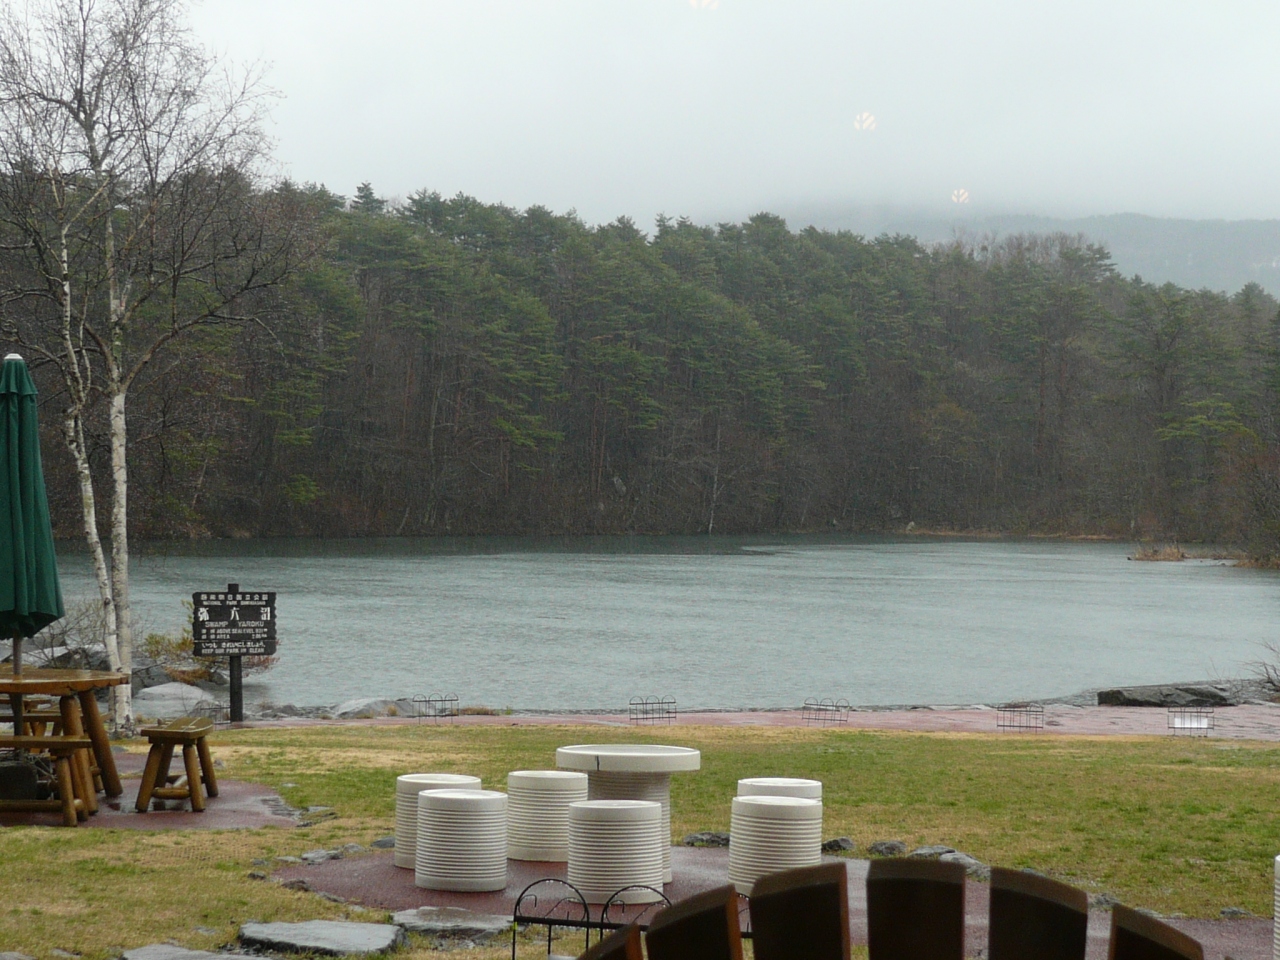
<point x="78" y="705"/>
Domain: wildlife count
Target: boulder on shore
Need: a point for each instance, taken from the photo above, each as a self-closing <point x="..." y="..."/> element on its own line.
<point x="145" y="678"/>
<point x="363" y="708"/>
<point x="167" y="700"/>
<point x="1168" y="695"/>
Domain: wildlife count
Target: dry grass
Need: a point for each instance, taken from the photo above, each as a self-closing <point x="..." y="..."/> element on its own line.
<point x="1175" y="824"/>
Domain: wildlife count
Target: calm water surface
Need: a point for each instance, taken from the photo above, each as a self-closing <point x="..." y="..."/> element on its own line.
<point x="723" y="623"/>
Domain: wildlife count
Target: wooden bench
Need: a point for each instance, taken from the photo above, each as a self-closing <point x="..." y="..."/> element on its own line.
<point x="189" y="733"/>
<point x="35" y="720"/>
<point x="71" y="793"/>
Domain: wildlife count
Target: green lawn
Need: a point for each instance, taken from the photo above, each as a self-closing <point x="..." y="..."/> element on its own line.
<point x="1179" y="825"/>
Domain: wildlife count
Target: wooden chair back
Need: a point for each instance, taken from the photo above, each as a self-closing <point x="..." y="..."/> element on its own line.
<point x="622" y="944"/>
<point x="802" y="914"/>
<point x="1135" y="936"/>
<point x="704" y="927"/>
<point x="915" y="910"/>
<point x="1035" y="918"/>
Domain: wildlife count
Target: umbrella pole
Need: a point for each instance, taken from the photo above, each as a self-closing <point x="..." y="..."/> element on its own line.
<point x="18" y="724"/>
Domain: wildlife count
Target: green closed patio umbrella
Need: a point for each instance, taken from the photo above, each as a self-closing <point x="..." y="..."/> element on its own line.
<point x="30" y="596"/>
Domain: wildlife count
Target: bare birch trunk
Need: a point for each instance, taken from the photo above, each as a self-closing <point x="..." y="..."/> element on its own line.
<point x="119" y="482"/>
<point x="73" y="436"/>
<point x="120" y="558"/>
<point x="73" y="433"/>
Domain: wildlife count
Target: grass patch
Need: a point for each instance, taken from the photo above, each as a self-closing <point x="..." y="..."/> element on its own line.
<point x="1179" y="825"/>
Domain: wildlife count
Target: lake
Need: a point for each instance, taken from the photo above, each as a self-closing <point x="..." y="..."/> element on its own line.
<point x="716" y="623"/>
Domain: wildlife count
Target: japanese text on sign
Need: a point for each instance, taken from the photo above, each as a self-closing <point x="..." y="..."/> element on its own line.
<point x="233" y="624"/>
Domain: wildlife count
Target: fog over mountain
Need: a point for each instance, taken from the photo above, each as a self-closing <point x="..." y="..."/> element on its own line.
<point x="1199" y="254"/>
<point x="999" y="110"/>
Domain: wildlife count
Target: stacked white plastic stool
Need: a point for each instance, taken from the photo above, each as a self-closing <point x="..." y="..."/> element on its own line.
<point x="462" y="840"/>
<point x="632" y="771"/>
<point x="407" y="789"/>
<point x="780" y="787"/>
<point x="538" y="812"/>
<point x="768" y="834"/>
<point x="1275" y="923"/>
<point x="615" y="844"/>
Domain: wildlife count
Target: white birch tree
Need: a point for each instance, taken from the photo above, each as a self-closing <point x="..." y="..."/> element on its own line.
<point x="134" y="208"/>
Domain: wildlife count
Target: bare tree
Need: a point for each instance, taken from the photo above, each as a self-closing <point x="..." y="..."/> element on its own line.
<point x="133" y="210"/>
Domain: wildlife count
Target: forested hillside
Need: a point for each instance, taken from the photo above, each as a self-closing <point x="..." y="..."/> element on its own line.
<point x="452" y="367"/>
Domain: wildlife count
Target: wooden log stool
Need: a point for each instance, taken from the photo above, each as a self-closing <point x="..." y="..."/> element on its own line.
<point x="189" y="733"/>
<point x="72" y="795"/>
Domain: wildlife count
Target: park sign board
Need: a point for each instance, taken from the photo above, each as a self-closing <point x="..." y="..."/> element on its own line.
<point x="227" y="623"/>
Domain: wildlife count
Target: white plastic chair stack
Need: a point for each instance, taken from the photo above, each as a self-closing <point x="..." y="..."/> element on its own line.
<point x="614" y="844"/>
<point x="462" y="840"/>
<point x="653" y="787"/>
<point x="780" y="787"/>
<point x="770" y="834"/>
<point x="407" y="789"/>
<point x="1275" y="924"/>
<point x="538" y="812"/>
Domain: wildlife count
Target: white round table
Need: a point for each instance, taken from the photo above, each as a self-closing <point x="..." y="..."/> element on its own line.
<point x="632" y="771"/>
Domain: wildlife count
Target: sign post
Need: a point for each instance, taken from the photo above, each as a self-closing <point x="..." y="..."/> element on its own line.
<point x="235" y="624"/>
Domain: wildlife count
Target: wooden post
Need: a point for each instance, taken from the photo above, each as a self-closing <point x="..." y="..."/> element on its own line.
<point x="16" y="700"/>
<point x="237" y="691"/>
<point x="237" y="677"/>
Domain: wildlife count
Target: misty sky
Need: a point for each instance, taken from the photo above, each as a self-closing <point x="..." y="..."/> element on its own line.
<point x="719" y="108"/>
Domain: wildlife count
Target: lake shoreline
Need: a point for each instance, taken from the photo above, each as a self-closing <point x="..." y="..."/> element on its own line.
<point x="1247" y="722"/>
<point x="1247" y="691"/>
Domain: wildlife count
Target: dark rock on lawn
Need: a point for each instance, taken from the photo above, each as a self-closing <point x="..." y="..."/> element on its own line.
<point x="838" y="845"/>
<point x="972" y="866"/>
<point x="297" y="883"/>
<point x="329" y="937"/>
<point x="1167" y="695"/>
<point x="167" y="951"/>
<point x="1234" y="913"/>
<point x="707" y="838"/>
<point x="384" y="843"/>
<point x="453" y="922"/>
<point x="887" y="848"/>
<point x="931" y="853"/>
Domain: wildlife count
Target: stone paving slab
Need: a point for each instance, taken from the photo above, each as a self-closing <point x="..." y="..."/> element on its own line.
<point x="167" y="951"/>
<point x="329" y="937"/>
<point x="453" y="922"/>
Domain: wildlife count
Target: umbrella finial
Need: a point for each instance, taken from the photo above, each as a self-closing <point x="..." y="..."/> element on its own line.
<point x="13" y="356"/>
